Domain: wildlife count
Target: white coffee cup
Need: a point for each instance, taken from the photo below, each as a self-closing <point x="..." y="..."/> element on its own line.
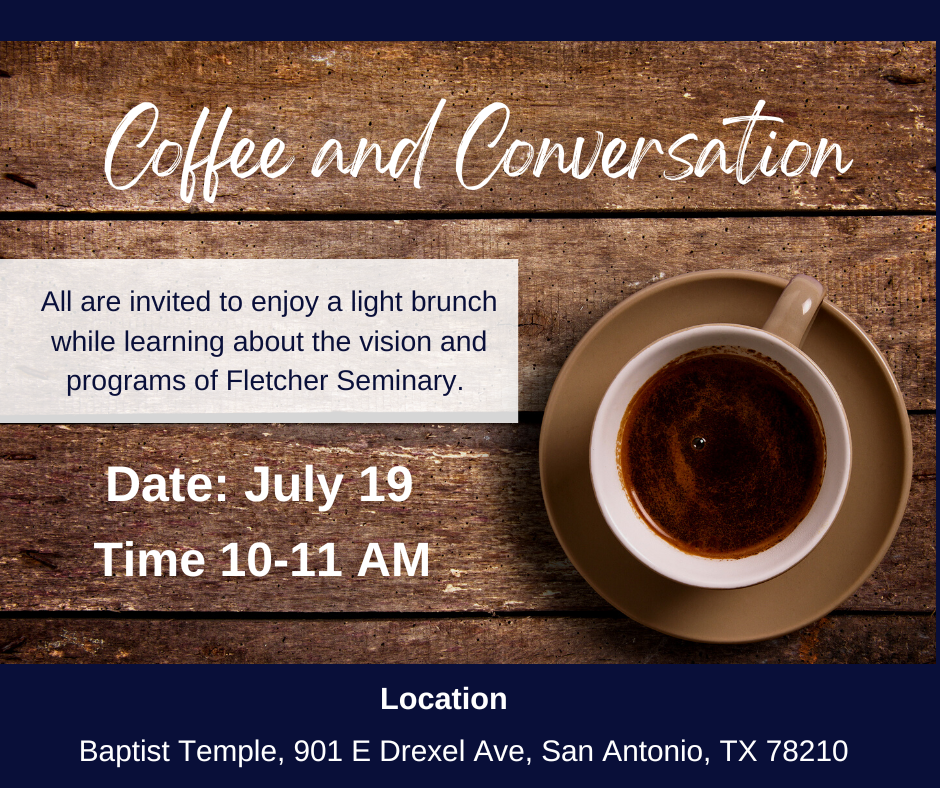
<point x="778" y="340"/>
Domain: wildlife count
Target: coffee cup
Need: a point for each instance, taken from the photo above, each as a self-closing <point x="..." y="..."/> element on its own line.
<point x="720" y="454"/>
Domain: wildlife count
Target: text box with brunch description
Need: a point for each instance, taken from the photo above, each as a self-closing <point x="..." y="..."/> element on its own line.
<point x="259" y="340"/>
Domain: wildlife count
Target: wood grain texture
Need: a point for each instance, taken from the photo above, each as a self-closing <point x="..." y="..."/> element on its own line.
<point x="476" y="501"/>
<point x="880" y="270"/>
<point x="840" y="638"/>
<point x="63" y="101"/>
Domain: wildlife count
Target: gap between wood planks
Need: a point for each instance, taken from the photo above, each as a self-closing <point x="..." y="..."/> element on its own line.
<point x="194" y="214"/>
<point x="195" y="615"/>
<point x="525" y="417"/>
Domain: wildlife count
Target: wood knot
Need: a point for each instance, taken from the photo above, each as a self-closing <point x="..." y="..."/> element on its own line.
<point x="896" y="78"/>
<point x="536" y="322"/>
<point x="45" y="559"/>
<point x="10" y="176"/>
<point x="13" y="644"/>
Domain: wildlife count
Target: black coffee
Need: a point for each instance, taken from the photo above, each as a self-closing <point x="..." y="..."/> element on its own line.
<point x="722" y="452"/>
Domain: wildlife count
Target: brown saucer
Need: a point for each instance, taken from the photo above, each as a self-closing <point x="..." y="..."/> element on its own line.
<point x="882" y="459"/>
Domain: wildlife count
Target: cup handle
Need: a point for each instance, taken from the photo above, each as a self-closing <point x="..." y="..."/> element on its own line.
<point x="796" y="309"/>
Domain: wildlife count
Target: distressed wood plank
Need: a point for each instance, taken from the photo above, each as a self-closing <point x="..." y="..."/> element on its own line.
<point x="840" y="638"/>
<point x="63" y="101"/>
<point x="476" y="501"/>
<point x="879" y="270"/>
<point x="911" y="561"/>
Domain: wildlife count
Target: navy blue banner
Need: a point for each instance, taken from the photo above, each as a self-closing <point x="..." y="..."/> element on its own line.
<point x="252" y="725"/>
<point x="427" y="21"/>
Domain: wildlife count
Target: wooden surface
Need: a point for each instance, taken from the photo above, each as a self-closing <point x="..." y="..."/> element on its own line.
<point x="838" y="638"/>
<point x="879" y="270"/>
<point x="62" y="102"/>
<point x="500" y="588"/>
<point x="477" y="502"/>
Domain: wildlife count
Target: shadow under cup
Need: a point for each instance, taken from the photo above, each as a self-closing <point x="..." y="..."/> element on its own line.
<point x="649" y="546"/>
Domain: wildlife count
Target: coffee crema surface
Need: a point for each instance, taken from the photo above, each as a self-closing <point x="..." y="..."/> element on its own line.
<point x="722" y="452"/>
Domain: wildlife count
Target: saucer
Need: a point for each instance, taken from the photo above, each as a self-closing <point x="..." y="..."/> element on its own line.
<point x="882" y="460"/>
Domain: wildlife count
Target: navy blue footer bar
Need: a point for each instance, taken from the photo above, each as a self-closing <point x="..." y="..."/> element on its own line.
<point x="250" y="725"/>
